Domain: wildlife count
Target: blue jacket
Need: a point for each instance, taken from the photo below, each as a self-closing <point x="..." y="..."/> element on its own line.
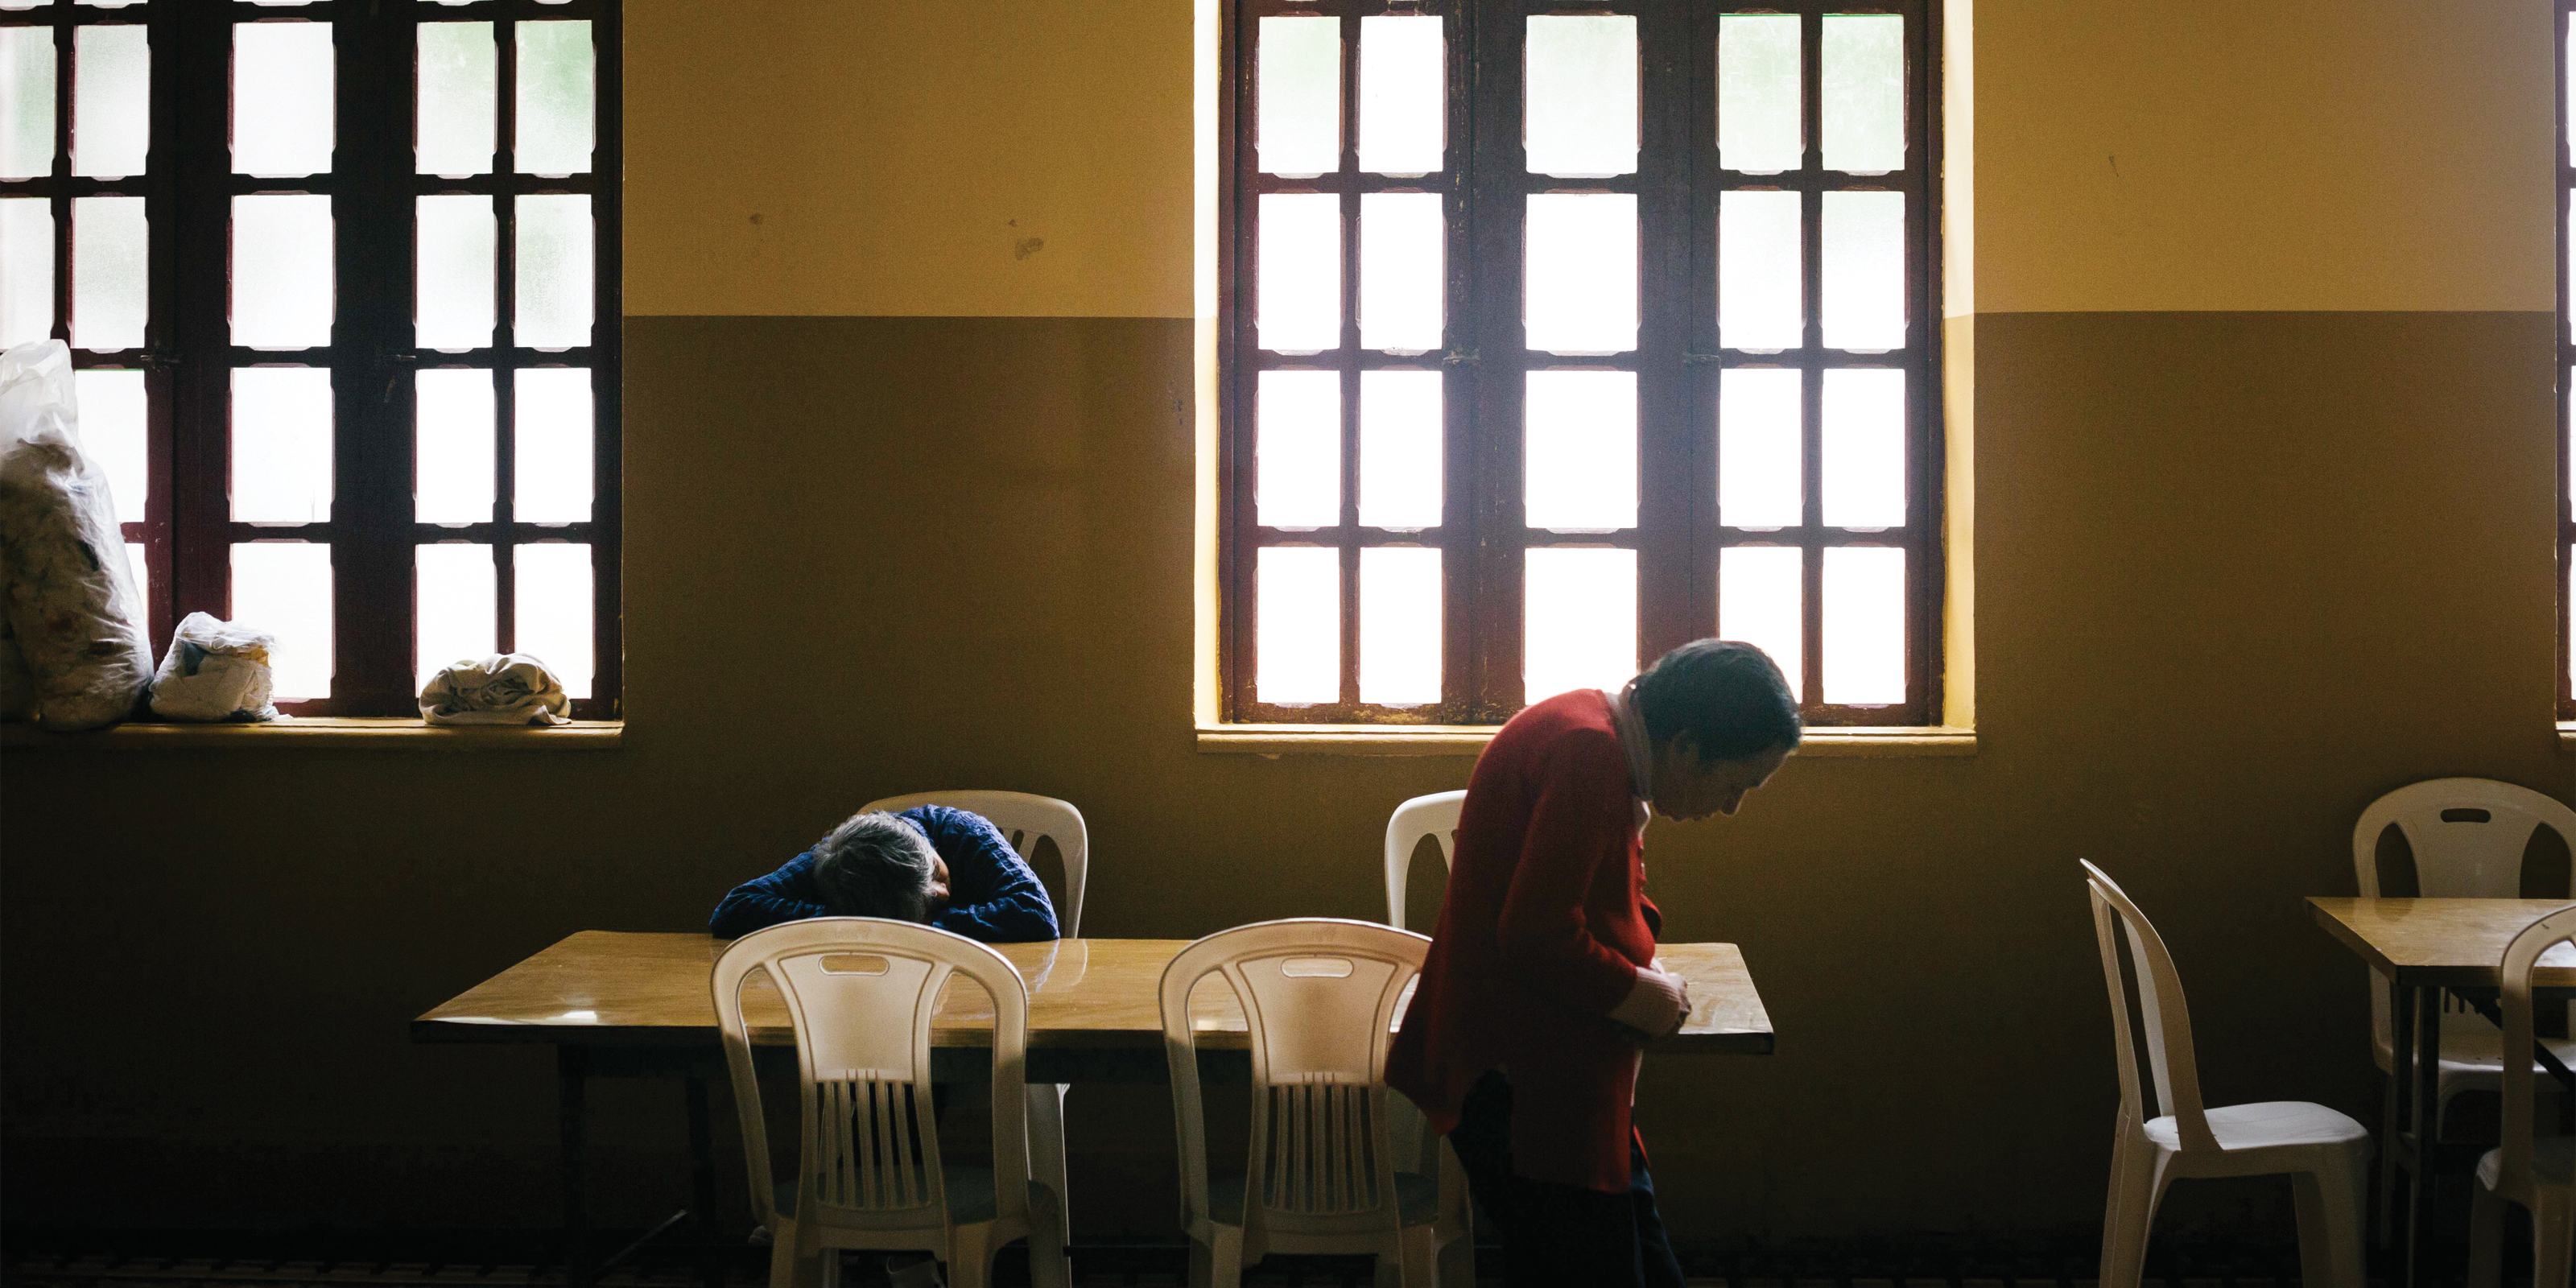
<point x="993" y="895"/>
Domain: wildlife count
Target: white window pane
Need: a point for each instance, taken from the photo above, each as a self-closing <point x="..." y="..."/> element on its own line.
<point x="1301" y="95"/>
<point x="1580" y="439"/>
<point x="454" y="607"/>
<point x="455" y="236"/>
<point x="1403" y="95"/>
<point x="1579" y="622"/>
<point x="557" y="94"/>
<point x="110" y="252"/>
<point x="1580" y="101"/>
<point x="115" y="430"/>
<point x="1759" y="594"/>
<point x="1401" y="243"/>
<point x="1298" y="625"/>
<point x="1759" y="464"/>
<point x="1400" y="437"/>
<point x="26" y="269"/>
<point x="1297" y="481"/>
<point x="556" y="283"/>
<point x="552" y="431"/>
<point x="1864" y="270"/>
<point x="1399" y="626"/>
<point x="111" y="101"/>
<point x="1581" y="292"/>
<point x="453" y="469"/>
<point x="1760" y="301"/>
<point x="1760" y="125"/>
<point x="552" y="599"/>
<point x="282" y="108"/>
<point x="1300" y="279"/>
<point x="26" y="102"/>
<point x="281" y="435"/>
<point x="460" y="92"/>
<point x="282" y="271"/>
<point x="1864" y="448"/>
<point x="1864" y="625"/>
<point x="1864" y="92"/>
<point x="139" y="564"/>
<point x="284" y="588"/>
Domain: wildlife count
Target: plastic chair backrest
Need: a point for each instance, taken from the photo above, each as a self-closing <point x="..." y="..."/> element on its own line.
<point x="1435" y="815"/>
<point x="1023" y="819"/>
<point x="860" y="993"/>
<point x="2520" y="956"/>
<point x="1319" y="997"/>
<point x="2163" y="1015"/>
<point x="2468" y="835"/>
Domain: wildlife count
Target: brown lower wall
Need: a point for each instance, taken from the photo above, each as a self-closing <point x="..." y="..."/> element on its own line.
<point x="2236" y="575"/>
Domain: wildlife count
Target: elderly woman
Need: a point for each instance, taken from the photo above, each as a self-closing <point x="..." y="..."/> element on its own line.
<point x="1541" y="988"/>
<point x="933" y="864"/>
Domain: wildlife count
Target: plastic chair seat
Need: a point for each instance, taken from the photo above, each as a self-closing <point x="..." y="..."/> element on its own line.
<point x="2553" y="1162"/>
<point x="1416" y="1196"/>
<point x="2267" y="1124"/>
<point x="970" y="1195"/>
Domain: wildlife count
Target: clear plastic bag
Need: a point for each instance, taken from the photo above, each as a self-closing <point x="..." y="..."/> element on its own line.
<point x="505" y="688"/>
<point x="72" y="603"/>
<point x="215" y="670"/>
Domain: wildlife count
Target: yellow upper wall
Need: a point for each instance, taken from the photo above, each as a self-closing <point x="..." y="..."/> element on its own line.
<point x="2263" y="154"/>
<point x="953" y="158"/>
<point x="1033" y="157"/>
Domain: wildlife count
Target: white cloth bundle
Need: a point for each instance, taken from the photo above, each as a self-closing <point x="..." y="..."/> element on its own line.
<point x="72" y="604"/>
<point x="214" y="670"/>
<point x="505" y="688"/>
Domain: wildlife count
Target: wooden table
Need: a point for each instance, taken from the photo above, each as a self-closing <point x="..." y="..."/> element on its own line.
<point x="2427" y="947"/>
<point x="638" y="1005"/>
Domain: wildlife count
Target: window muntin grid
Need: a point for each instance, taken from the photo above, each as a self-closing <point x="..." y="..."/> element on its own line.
<point x="1537" y="364"/>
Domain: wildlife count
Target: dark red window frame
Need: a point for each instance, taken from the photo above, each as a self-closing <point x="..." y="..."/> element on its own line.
<point x="2566" y="428"/>
<point x="188" y="357"/>
<point x="1483" y="537"/>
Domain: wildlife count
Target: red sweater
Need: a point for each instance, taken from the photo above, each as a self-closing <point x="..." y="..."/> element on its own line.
<point x="1545" y="923"/>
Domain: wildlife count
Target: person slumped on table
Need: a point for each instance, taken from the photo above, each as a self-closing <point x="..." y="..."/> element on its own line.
<point x="1541" y="988"/>
<point x="945" y="867"/>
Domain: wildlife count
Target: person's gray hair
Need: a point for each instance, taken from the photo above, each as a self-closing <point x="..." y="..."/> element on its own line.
<point x="875" y="865"/>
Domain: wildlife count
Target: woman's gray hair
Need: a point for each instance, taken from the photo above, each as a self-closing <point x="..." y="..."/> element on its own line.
<point x="875" y="865"/>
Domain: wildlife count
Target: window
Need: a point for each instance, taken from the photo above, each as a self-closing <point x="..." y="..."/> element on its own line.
<point x="1558" y="335"/>
<point x="341" y="292"/>
<point x="2566" y="46"/>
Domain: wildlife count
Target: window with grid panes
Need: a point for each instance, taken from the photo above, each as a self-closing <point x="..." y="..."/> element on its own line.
<point x="2566" y="46"/>
<point x="339" y="280"/>
<point x="1559" y="335"/>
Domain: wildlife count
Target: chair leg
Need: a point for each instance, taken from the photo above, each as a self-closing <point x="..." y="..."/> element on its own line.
<point x="782" y="1262"/>
<point x="2120" y="1146"/>
<point x="2388" y="1130"/>
<point x="1455" y="1266"/>
<point x="1046" y="1148"/>
<point x="2139" y="1184"/>
<point x="2553" y="1241"/>
<point x="2330" y="1208"/>
<point x="2486" y="1239"/>
<point x="1048" y="1266"/>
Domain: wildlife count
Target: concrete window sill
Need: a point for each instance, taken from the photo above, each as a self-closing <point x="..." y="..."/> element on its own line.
<point x="391" y="733"/>
<point x="1276" y="740"/>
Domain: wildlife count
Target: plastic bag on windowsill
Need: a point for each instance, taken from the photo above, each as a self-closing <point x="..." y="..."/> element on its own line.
<point x="72" y="604"/>
<point x="504" y="689"/>
<point x="214" y="670"/>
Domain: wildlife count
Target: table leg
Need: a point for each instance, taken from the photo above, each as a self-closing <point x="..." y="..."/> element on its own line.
<point x="2394" y="1102"/>
<point x="702" y="1176"/>
<point x="572" y="1078"/>
<point x="2427" y="1114"/>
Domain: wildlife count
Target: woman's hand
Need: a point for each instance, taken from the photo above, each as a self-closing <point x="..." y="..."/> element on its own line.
<point x="1656" y="1004"/>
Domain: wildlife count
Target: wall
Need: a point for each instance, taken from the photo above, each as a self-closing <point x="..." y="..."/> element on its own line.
<point x="2262" y="481"/>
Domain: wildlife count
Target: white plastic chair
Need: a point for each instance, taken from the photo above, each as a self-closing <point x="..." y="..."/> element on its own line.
<point x="2326" y="1154"/>
<point x="1024" y="820"/>
<point x="1319" y="998"/>
<point x="1435" y="815"/>
<point x="860" y="993"/>
<point x="2537" y="1172"/>
<point x="2473" y="853"/>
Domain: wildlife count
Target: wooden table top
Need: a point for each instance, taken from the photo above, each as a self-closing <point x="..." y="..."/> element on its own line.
<point x="601" y="987"/>
<point x="2448" y="943"/>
